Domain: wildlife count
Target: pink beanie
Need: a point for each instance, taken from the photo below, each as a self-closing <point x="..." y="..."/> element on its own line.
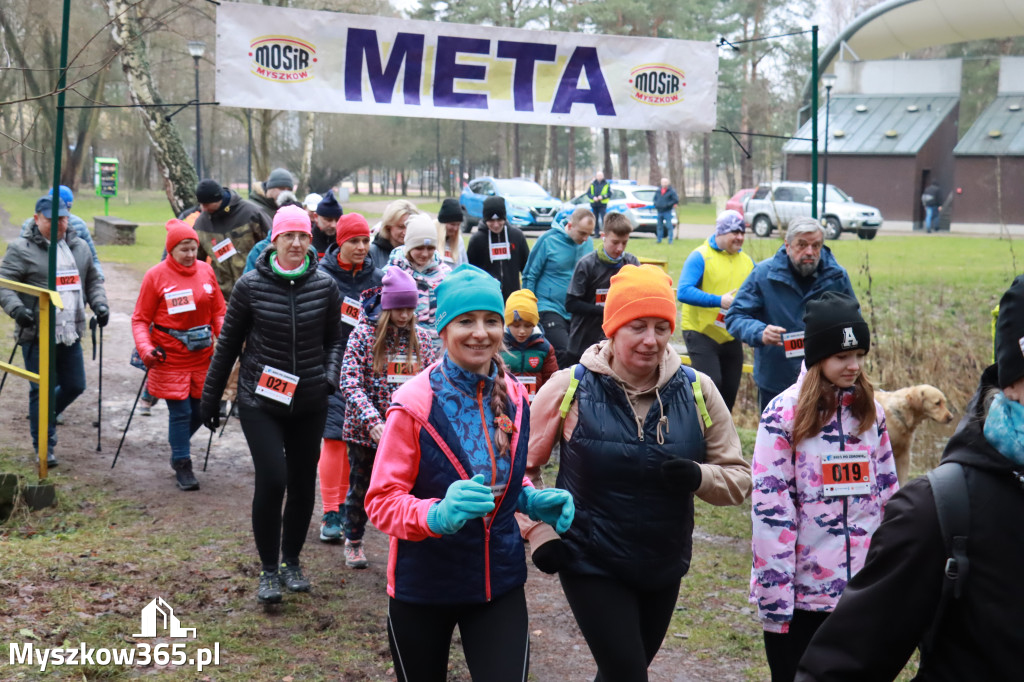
<point x="291" y="219"/>
<point x="399" y="290"/>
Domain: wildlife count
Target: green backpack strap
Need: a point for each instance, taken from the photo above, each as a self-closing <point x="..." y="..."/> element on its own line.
<point x="578" y="371"/>
<point x="698" y="395"/>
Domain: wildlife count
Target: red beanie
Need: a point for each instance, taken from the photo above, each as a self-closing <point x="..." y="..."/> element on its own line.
<point x="351" y="225"/>
<point x="635" y="292"/>
<point x="178" y="231"/>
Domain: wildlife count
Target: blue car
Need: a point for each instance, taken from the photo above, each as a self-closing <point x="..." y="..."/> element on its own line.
<point x="527" y="204"/>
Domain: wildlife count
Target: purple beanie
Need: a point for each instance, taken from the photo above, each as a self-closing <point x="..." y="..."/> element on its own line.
<point x="399" y="290"/>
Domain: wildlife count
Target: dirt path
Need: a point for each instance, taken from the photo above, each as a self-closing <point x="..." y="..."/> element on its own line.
<point x="144" y="478"/>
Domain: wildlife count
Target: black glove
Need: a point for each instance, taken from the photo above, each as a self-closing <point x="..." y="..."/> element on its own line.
<point x="24" y="317"/>
<point x="102" y="314"/>
<point x="681" y="475"/>
<point x="210" y="415"/>
<point x="332" y="386"/>
<point x="551" y="557"/>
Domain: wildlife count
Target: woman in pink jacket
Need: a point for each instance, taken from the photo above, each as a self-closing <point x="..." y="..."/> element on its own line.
<point x="823" y="471"/>
<point x="178" y="314"/>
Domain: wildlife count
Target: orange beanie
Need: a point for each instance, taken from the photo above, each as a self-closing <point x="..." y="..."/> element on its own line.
<point x="635" y="292"/>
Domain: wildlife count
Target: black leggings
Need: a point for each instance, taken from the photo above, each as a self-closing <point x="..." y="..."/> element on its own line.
<point x="723" y="362"/>
<point x="784" y="651"/>
<point x="495" y="639"/>
<point x="623" y="626"/>
<point x="285" y="452"/>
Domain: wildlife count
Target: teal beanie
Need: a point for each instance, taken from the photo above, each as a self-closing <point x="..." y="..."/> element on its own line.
<point x="468" y="288"/>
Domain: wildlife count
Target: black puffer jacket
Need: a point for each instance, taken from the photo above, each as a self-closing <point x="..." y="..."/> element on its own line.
<point x="290" y="325"/>
<point x="890" y="604"/>
<point x="352" y="287"/>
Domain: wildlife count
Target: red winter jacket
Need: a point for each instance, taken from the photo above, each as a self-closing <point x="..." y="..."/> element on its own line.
<point x="165" y="287"/>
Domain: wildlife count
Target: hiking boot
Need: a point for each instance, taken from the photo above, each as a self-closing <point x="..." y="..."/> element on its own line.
<point x="51" y="460"/>
<point x="292" y="578"/>
<point x="183" y="474"/>
<point x="354" y="555"/>
<point x="330" y="527"/>
<point x="59" y="419"/>
<point x="145" y="408"/>
<point x="269" y="591"/>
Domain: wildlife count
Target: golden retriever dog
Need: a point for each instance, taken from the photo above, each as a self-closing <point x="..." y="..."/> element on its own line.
<point x="905" y="409"/>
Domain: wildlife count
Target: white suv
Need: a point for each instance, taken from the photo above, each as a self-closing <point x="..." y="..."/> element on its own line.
<point x="773" y="206"/>
<point x="635" y="201"/>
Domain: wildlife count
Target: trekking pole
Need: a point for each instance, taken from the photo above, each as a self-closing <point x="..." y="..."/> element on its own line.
<point x="223" y="426"/>
<point x="209" y="442"/>
<point x="99" y="400"/>
<point x="9" y="361"/>
<point x="130" y="415"/>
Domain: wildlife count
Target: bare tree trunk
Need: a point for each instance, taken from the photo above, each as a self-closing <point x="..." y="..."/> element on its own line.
<point x="707" y="168"/>
<point x="546" y="173"/>
<point x="516" y="161"/>
<point x="553" y="165"/>
<point x="173" y="161"/>
<point x="262" y="161"/>
<point x="502" y="149"/>
<point x="307" y="155"/>
<point x="676" y="170"/>
<point x="653" y="168"/>
<point x="571" y="179"/>
<point x="623" y="154"/>
<point x="606" y="136"/>
<point x="83" y="136"/>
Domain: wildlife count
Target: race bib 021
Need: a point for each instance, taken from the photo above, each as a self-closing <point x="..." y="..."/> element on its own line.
<point x="277" y="385"/>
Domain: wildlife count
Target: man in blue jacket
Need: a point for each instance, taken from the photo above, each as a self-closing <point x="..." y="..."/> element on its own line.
<point x="548" y="273"/>
<point x="768" y="311"/>
<point x="665" y="201"/>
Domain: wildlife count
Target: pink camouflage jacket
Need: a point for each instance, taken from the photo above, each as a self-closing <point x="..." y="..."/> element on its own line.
<point x="807" y="545"/>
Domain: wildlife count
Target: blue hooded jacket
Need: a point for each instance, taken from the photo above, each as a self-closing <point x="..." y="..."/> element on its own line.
<point x="549" y="268"/>
<point x="771" y="295"/>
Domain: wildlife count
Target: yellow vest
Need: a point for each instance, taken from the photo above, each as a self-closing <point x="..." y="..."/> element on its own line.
<point x="723" y="272"/>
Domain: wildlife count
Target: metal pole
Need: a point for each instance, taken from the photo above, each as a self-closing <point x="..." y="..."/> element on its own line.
<point x="130" y="415"/>
<point x="824" y="169"/>
<point x="9" y="361"/>
<point x="199" y="163"/>
<point x="438" y="174"/>
<point x="99" y="401"/>
<point x="814" y="121"/>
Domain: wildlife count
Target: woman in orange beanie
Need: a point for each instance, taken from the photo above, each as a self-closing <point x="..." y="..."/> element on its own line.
<point x="640" y="435"/>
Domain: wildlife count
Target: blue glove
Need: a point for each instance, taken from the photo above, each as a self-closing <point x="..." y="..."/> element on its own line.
<point x="552" y="506"/>
<point x="464" y="501"/>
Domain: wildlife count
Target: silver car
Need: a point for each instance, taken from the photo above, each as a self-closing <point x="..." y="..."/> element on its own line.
<point x="635" y="201"/>
<point x="773" y="206"/>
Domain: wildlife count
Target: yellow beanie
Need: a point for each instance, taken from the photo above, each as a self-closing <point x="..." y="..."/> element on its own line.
<point x="635" y="292"/>
<point x="524" y="303"/>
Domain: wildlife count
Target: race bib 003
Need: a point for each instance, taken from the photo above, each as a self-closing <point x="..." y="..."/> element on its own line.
<point x="793" y="344"/>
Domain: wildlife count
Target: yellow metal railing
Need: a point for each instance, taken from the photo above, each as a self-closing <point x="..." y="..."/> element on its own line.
<point x="747" y="367"/>
<point x="45" y="297"/>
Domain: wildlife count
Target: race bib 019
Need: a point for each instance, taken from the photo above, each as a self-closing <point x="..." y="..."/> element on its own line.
<point x="277" y="385"/>
<point x="793" y="344"/>
<point x="223" y="250"/>
<point x="846" y="473"/>
<point x="178" y="302"/>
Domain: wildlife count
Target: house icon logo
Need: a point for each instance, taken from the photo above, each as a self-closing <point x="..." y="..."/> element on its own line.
<point x="158" y="614"/>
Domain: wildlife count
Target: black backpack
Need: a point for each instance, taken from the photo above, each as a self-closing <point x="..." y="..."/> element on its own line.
<point x="952" y="503"/>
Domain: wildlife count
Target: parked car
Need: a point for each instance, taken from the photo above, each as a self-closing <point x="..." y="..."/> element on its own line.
<point x="527" y="204"/>
<point x="738" y="201"/>
<point x="773" y="205"/>
<point x="635" y="201"/>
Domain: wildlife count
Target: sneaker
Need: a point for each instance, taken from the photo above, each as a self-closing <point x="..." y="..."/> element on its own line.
<point x="183" y="475"/>
<point x="51" y="460"/>
<point x="145" y="408"/>
<point x="330" y="527"/>
<point x="269" y="591"/>
<point x="292" y="578"/>
<point x="355" y="557"/>
<point x="59" y="419"/>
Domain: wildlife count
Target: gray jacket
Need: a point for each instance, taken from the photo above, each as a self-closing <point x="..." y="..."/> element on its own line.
<point x="27" y="261"/>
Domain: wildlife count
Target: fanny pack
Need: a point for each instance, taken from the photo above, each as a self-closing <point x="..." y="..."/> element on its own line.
<point x="196" y="338"/>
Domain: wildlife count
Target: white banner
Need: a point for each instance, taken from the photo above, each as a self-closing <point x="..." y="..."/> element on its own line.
<point x="304" y="60"/>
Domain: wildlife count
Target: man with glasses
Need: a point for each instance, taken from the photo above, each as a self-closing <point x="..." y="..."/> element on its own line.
<point x="768" y="311"/>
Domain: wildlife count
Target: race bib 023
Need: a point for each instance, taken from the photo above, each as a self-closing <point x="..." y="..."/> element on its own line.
<point x="178" y="302"/>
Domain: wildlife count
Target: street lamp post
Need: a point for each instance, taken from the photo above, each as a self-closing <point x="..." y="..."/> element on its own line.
<point x="196" y="48"/>
<point x="829" y="81"/>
